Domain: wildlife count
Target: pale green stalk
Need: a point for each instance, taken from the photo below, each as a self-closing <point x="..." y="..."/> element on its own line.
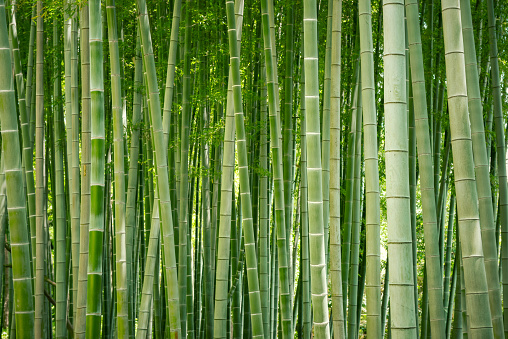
<point x="226" y="188"/>
<point x="352" y="329"/>
<point x="372" y="242"/>
<point x="170" y="75"/>
<point x="97" y="184"/>
<point x="335" y="160"/>
<point x="29" y="73"/>
<point x="481" y="163"/>
<point x="80" y="318"/>
<point x="162" y="174"/>
<point x="314" y="173"/>
<point x="400" y="253"/>
<point x="122" y="278"/>
<point x="427" y="184"/>
<point x="287" y="144"/>
<point x="276" y="147"/>
<point x="241" y="143"/>
<point x="134" y="151"/>
<point x="148" y="279"/>
<point x="476" y="290"/>
<point x="20" y="251"/>
<point x="27" y="155"/>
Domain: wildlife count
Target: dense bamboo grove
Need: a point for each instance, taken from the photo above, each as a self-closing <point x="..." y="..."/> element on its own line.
<point x="238" y="169"/>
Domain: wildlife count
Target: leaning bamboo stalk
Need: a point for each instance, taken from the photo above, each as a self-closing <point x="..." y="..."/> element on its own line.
<point x="501" y="155"/>
<point x="148" y="279"/>
<point x="476" y="290"/>
<point x="27" y="155"/>
<point x="425" y="161"/>
<point x="170" y="75"/>
<point x="162" y="173"/>
<point x="481" y="162"/>
<point x="246" y="203"/>
<point x="226" y="187"/>
<point x="134" y="168"/>
<point x="276" y="147"/>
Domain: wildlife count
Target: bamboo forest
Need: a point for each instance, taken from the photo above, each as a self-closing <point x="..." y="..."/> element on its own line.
<point x="253" y="169"/>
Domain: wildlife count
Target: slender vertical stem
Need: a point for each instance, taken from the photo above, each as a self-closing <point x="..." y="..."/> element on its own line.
<point x="402" y="310"/>
<point x="314" y="173"/>
<point x="335" y="160"/>
<point x="39" y="187"/>
<point x="97" y="180"/>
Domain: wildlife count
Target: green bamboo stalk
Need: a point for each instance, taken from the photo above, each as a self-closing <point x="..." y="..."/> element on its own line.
<point x="335" y="160"/>
<point x="226" y="187"/>
<point x="456" y="332"/>
<point x="134" y="168"/>
<point x="287" y="142"/>
<point x="402" y="308"/>
<point x="277" y="168"/>
<point x="4" y="258"/>
<point x="39" y="186"/>
<point x="27" y="151"/>
<point x="67" y="36"/>
<point x="353" y="325"/>
<point x="170" y="76"/>
<point x="449" y="235"/>
<point x="427" y="184"/>
<point x="97" y="180"/>
<point x="348" y="211"/>
<point x="207" y="315"/>
<point x="325" y="131"/>
<point x="183" y="227"/>
<point x="501" y="160"/>
<point x="481" y="163"/>
<point x="29" y="74"/>
<point x="74" y="164"/>
<point x="241" y="143"/>
<point x="60" y="218"/>
<point x="480" y="323"/>
<point x="412" y="175"/>
<point x="314" y="173"/>
<point x="122" y="278"/>
<point x="80" y="317"/>
<point x="373" y="273"/>
<point x="148" y="279"/>
<point x="162" y="172"/>
<point x="450" y="304"/>
<point x="20" y="251"/>
<point x="264" y="229"/>
<point x="304" y="215"/>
